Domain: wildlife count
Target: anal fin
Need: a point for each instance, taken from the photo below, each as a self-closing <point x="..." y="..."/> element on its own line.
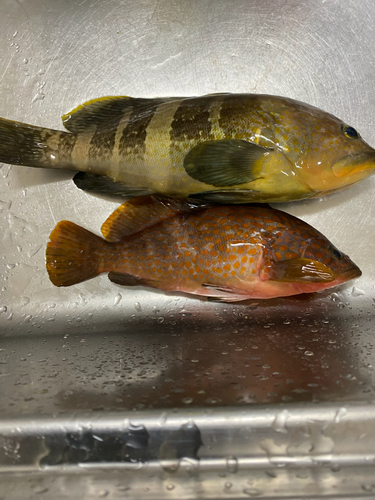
<point x="125" y="279"/>
<point x="101" y="184"/>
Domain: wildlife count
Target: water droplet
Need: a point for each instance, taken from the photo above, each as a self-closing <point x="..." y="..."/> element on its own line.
<point x="271" y="473"/>
<point x="170" y="487"/>
<point x="228" y="485"/>
<point x="38" y="97"/>
<point x="252" y="492"/>
<point x="340" y="414"/>
<point x="160" y="319"/>
<point x="308" y="353"/>
<point x="25" y="61"/>
<point x="103" y="493"/>
<point x="163" y="418"/>
<point x="368" y="488"/>
<point x="137" y="306"/>
<point x="3" y="309"/>
<point x="40" y="490"/>
<point x="187" y="400"/>
<point x="232" y="464"/>
<point x="279" y="424"/>
<point x="357" y="292"/>
<point x="117" y="299"/>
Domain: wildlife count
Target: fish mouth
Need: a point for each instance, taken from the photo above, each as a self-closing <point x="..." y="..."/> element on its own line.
<point x="350" y="274"/>
<point x="354" y="164"/>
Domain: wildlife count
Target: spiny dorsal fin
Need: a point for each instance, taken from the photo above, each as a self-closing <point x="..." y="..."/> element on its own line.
<point x="98" y="112"/>
<point x="145" y="211"/>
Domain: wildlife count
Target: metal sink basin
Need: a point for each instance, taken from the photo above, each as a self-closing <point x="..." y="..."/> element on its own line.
<point x="114" y="392"/>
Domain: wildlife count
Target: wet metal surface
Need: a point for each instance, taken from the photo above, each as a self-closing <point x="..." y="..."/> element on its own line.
<point x="97" y="350"/>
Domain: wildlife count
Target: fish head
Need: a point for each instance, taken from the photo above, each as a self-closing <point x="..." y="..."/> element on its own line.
<point x="332" y="155"/>
<point x="297" y="255"/>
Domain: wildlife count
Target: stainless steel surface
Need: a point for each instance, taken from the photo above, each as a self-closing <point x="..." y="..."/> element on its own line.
<point x="97" y="346"/>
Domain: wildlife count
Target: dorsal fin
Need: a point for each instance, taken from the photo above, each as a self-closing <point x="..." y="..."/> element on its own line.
<point x="98" y="112"/>
<point x="145" y="211"/>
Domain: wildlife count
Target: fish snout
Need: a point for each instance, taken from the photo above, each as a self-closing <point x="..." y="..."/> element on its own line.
<point x="361" y="163"/>
<point x="351" y="273"/>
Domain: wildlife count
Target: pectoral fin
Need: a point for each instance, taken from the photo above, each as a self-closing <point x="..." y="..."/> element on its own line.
<point x="300" y="271"/>
<point x="227" y="162"/>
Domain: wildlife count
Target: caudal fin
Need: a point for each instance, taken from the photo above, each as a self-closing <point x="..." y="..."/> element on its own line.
<point x="73" y="254"/>
<point x="23" y="144"/>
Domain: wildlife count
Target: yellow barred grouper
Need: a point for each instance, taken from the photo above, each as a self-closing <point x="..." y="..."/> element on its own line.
<point x="229" y="253"/>
<point x="227" y="148"/>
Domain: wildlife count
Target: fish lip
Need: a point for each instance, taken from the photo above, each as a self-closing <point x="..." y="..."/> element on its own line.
<point x="351" y="274"/>
<point x="354" y="163"/>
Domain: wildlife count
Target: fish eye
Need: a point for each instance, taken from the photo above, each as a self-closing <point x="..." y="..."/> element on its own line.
<point x="350" y="132"/>
<point x="336" y="253"/>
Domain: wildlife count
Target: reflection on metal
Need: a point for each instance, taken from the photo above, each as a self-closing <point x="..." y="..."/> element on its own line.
<point x="79" y="366"/>
<point x="274" y="452"/>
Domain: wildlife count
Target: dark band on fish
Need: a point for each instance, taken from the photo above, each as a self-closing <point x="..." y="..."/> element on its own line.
<point x="192" y="118"/>
<point x="231" y="106"/>
<point x="133" y="138"/>
<point x="103" y="140"/>
<point x="66" y="145"/>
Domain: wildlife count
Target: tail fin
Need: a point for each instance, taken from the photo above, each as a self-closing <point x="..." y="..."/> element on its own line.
<point x="73" y="254"/>
<point x="22" y="144"/>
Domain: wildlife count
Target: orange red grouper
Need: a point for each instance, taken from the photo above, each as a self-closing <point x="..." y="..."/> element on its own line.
<point x="231" y="253"/>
